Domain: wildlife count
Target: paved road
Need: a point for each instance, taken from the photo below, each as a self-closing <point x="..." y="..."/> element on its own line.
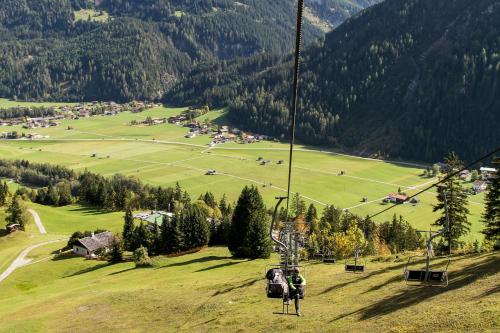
<point x="21" y="259"/>
<point x="38" y="221"/>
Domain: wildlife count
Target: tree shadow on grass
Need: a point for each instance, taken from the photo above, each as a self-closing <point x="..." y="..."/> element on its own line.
<point x="195" y="261"/>
<point x="89" y="210"/>
<point x="490" y="292"/>
<point x="416" y="295"/>
<point x="243" y="284"/>
<point x="88" y="270"/>
<point x="125" y="270"/>
<point x="227" y="264"/>
<point x="362" y="277"/>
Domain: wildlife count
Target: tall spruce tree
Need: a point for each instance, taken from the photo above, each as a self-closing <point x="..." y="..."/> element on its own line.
<point x="298" y="206"/>
<point x="312" y="218"/>
<point x="115" y="254"/>
<point x="128" y="230"/>
<point x="194" y="227"/>
<point x="17" y="212"/>
<point x="248" y="233"/>
<point x="4" y="193"/>
<point x="491" y="215"/>
<point x="456" y="197"/>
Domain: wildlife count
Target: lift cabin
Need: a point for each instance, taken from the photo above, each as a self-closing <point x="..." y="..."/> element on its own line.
<point x="434" y="273"/>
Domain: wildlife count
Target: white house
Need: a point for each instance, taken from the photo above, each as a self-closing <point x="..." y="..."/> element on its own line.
<point x="488" y="173"/>
<point x="88" y="246"/>
<point x="479" y="186"/>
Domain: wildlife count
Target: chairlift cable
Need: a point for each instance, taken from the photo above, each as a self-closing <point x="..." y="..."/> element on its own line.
<point x="293" y="110"/>
<point x="439" y="182"/>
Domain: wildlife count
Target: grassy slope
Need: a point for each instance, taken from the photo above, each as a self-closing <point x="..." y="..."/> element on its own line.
<point x="171" y="158"/>
<point x="210" y="291"/>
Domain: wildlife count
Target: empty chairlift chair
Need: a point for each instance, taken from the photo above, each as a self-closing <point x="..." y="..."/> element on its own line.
<point x="430" y="276"/>
<point x="357" y="265"/>
<point x="434" y="273"/>
<point x="328" y="258"/>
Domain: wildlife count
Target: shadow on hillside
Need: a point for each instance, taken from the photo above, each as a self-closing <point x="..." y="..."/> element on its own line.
<point x="87" y="210"/>
<point x="87" y="270"/>
<point x="363" y="277"/>
<point x="490" y="292"/>
<point x="196" y="261"/>
<point x="3" y="232"/>
<point x="244" y="284"/>
<point x="416" y="295"/>
<point x="227" y="264"/>
<point x="124" y="270"/>
<point x="63" y="255"/>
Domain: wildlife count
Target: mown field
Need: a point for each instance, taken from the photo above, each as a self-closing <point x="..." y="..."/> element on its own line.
<point x="160" y="155"/>
<point x="210" y="291"/>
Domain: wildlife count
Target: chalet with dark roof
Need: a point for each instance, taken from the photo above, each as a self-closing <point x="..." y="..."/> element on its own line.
<point x="88" y="246"/>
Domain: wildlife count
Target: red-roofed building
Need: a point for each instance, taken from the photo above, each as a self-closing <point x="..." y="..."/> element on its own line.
<point x="397" y="198"/>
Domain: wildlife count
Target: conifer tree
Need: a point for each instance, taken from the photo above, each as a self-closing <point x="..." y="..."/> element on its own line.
<point x="248" y="232"/>
<point x="17" y="213"/>
<point x="210" y="200"/>
<point x="173" y="236"/>
<point x="298" y="206"/>
<point x="4" y="193"/>
<point x="491" y="215"/>
<point x="194" y="227"/>
<point x="312" y="218"/>
<point x="331" y="219"/>
<point x="115" y="254"/>
<point x="128" y="230"/>
<point x="142" y="236"/>
<point x="456" y="198"/>
<point x="178" y="192"/>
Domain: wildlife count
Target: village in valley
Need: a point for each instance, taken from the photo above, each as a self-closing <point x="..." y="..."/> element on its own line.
<point x="30" y="118"/>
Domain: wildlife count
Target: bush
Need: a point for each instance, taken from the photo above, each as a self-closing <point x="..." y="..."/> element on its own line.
<point x="141" y="257"/>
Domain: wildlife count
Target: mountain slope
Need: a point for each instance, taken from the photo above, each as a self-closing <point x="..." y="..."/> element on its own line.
<point x="412" y="78"/>
<point x="140" y="51"/>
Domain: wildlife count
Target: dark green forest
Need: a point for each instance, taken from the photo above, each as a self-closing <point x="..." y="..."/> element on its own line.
<point x="139" y="52"/>
<point x="414" y="79"/>
<point x="405" y="78"/>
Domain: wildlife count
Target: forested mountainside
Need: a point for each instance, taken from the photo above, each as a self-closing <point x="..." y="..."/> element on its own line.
<point x="408" y="78"/>
<point x="135" y="49"/>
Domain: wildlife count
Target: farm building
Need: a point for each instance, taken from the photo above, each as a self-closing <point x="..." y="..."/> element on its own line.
<point x="488" y="173"/>
<point x="479" y="186"/>
<point x="397" y="198"/>
<point x="88" y="246"/>
<point x="153" y="218"/>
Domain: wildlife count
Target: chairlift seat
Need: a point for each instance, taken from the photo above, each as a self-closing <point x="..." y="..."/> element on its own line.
<point x="415" y="275"/>
<point x="436" y="276"/>
<point x="354" y="268"/>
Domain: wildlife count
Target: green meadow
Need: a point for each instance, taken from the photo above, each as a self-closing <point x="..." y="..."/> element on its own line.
<point x="210" y="291"/>
<point x="161" y="155"/>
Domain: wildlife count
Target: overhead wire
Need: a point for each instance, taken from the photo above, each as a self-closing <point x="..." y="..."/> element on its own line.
<point x="497" y="150"/>
<point x="293" y="110"/>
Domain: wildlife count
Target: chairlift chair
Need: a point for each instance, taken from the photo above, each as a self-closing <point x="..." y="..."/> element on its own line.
<point x="356" y="265"/>
<point x="427" y="276"/>
<point x="329" y="259"/>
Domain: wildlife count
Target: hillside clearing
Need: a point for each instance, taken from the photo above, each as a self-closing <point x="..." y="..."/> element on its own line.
<point x="210" y="291"/>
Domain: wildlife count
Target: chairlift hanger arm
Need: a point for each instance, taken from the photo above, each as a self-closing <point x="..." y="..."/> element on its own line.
<point x="273" y="222"/>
